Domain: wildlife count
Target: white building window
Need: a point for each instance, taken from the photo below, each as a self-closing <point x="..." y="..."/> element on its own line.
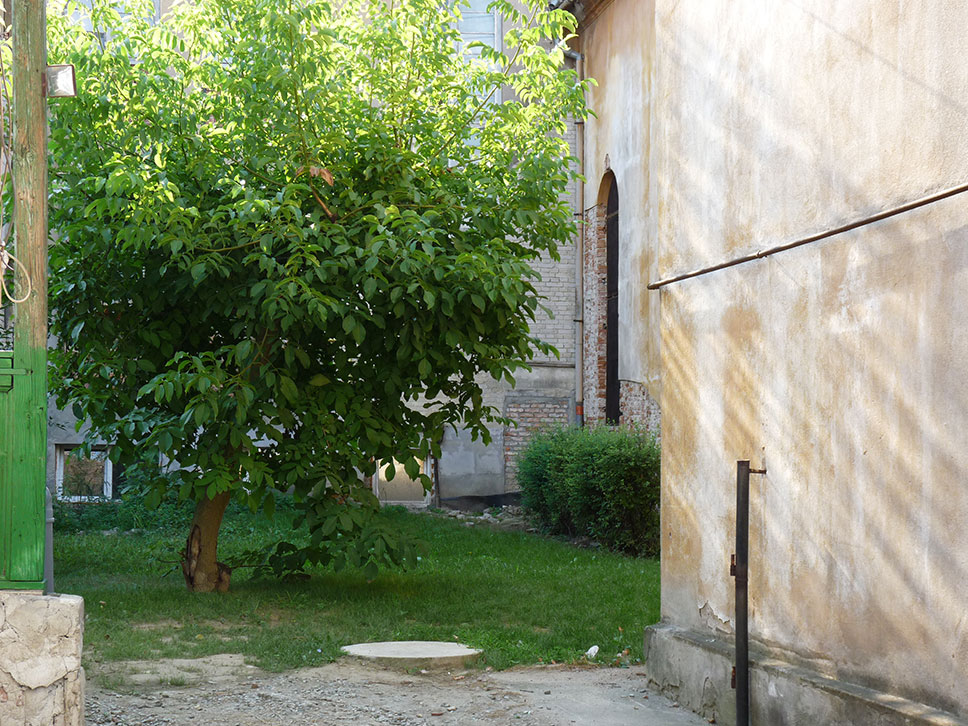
<point x="402" y="489"/>
<point x="82" y="479"/>
<point x="477" y="24"/>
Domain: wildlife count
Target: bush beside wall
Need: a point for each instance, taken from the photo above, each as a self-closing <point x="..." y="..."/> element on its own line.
<point x="600" y="482"/>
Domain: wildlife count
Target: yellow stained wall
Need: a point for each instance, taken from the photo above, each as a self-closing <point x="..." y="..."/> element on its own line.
<point x="617" y="41"/>
<point x="839" y="366"/>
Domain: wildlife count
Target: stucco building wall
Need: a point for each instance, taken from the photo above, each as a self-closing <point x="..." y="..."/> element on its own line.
<point x="837" y="366"/>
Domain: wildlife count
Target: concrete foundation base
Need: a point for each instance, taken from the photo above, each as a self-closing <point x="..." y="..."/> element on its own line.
<point x="695" y="669"/>
<point x="41" y="679"/>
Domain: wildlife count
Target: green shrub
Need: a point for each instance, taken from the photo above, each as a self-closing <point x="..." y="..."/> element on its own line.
<point x="172" y="515"/>
<point x="121" y="514"/>
<point x="601" y="482"/>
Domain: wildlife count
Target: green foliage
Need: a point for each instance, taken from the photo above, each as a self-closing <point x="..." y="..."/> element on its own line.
<point x="601" y="482"/>
<point x="293" y="234"/>
<point x="123" y="515"/>
<point x="343" y="534"/>
<point x="168" y="518"/>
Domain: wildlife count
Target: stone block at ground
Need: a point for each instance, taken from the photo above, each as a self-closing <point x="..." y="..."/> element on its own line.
<point x="694" y="668"/>
<point x="41" y="679"/>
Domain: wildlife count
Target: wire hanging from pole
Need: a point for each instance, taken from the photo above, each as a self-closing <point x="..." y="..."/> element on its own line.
<point x="9" y="264"/>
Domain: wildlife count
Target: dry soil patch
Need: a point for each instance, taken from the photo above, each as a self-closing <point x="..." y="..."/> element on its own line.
<point x="223" y="690"/>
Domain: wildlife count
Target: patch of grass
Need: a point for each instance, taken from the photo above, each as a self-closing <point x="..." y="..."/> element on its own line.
<point x="523" y="599"/>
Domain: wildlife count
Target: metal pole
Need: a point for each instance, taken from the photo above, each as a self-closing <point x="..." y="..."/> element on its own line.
<point x="741" y="573"/>
<point x="580" y="257"/>
<point x="49" y="545"/>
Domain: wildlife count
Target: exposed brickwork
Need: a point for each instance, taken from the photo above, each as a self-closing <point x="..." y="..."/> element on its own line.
<point x="557" y="285"/>
<point x="536" y="403"/>
<point x="469" y="468"/>
<point x="594" y="271"/>
<point x="635" y="403"/>
<point x="638" y="406"/>
<point x="532" y="414"/>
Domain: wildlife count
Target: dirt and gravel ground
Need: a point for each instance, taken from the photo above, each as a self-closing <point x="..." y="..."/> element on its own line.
<point x="224" y="691"/>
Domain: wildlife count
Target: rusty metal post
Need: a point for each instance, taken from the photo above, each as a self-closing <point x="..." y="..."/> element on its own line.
<point x="739" y="568"/>
<point x="741" y="573"/>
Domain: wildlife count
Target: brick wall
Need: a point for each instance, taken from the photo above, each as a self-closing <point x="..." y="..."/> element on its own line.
<point x="594" y="271"/>
<point x="637" y="406"/>
<point x="536" y="403"/>
<point x="532" y="414"/>
<point x="557" y="285"/>
<point x="635" y="403"/>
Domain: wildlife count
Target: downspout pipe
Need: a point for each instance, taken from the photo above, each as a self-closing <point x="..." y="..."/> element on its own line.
<point x="579" y="253"/>
<point x="579" y="60"/>
<point x="739" y="569"/>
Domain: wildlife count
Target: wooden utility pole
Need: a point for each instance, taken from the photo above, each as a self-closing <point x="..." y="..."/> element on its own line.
<point x="23" y="408"/>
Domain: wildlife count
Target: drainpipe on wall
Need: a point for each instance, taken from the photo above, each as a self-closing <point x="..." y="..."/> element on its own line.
<point x="580" y="255"/>
<point x="580" y="241"/>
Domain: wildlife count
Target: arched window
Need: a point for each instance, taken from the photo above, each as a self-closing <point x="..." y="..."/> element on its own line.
<point x="612" y="412"/>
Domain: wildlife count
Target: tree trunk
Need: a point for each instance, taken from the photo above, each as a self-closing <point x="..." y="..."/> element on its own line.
<point x="203" y="573"/>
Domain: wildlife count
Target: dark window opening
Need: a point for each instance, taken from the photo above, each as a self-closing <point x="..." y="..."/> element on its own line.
<point x="612" y="412"/>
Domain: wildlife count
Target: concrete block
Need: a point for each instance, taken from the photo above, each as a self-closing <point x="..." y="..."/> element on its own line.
<point x="415" y="653"/>
<point x="695" y="668"/>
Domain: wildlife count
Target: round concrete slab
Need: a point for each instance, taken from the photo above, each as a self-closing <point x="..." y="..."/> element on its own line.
<point x="415" y="653"/>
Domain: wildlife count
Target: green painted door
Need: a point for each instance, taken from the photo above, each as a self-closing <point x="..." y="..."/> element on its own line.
<point x="23" y="467"/>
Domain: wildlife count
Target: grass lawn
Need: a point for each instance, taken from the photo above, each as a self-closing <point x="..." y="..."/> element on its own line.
<point x="522" y="598"/>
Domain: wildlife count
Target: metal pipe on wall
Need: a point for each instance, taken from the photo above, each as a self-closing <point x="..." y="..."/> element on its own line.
<point x="579" y="249"/>
<point x="740" y="569"/>
<point x="49" y="545"/>
<point x="580" y="264"/>
<point x="886" y="214"/>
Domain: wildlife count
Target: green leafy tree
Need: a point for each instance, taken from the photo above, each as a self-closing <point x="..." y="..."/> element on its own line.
<point x="292" y="235"/>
